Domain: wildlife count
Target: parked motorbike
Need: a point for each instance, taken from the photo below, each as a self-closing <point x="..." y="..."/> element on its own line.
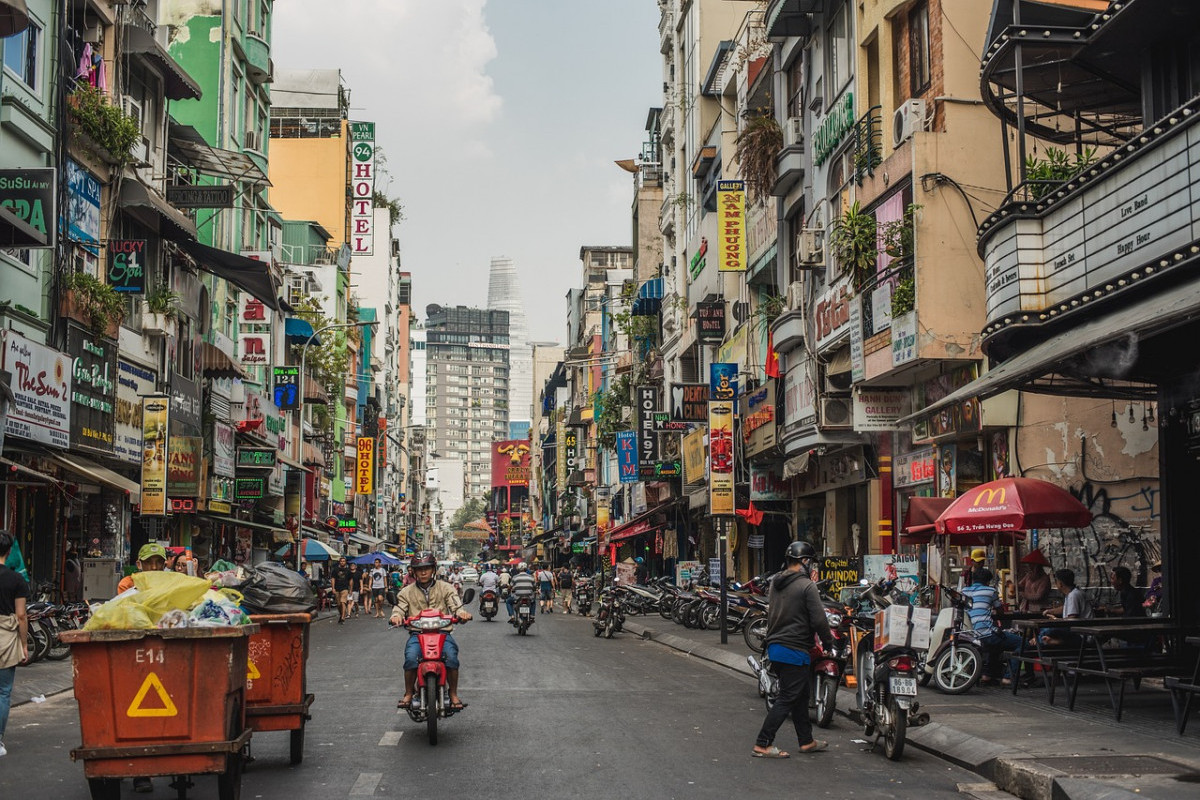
<point x="431" y="702"/>
<point x="523" y="616"/>
<point x="829" y="666"/>
<point x="887" y="678"/>
<point x="583" y="595"/>
<point x="610" y="614"/>
<point x="954" y="660"/>
<point x="489" y="604"/>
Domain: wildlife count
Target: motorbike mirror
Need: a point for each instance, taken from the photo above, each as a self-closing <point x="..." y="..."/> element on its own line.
<point x="864" y="582"/>
<point x="468" y="596"/>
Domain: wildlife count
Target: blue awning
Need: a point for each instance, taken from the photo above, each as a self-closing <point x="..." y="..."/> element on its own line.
<point x="649" y="298"/>
<point x="297" y="330"/>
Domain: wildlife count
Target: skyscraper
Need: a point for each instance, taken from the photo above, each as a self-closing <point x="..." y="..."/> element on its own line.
<point x="504" y="294"/>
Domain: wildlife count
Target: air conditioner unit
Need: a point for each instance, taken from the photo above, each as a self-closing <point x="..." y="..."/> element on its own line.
<point x="909" y="117"/>
<point x="251" y="140"/>
<point x="808" y="248"/>
<point x="835" y="411"/>
<point x="795" y="296"/>
<point x="793" y="132"/>
<point x="836" y="382"/>
<point x="132" y="108"/>
<point x="140" y="152"/>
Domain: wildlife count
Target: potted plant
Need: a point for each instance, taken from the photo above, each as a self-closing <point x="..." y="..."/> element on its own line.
<point x="1044" y="175"/>
<point x="904" y="296"/>
<point x="757" y="146"/>
<point x="91" y="301"/>
<point x="159" y="311"/>
<point x="102" y="128"/>
<point x="853" y="242"/>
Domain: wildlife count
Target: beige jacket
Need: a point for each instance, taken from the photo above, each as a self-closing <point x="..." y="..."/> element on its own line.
<point x="412" y="600"/>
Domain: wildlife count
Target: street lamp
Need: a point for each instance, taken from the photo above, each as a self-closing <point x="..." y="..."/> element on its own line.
<point x="300" y="412"/>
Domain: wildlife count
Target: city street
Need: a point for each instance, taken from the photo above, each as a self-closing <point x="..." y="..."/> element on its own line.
<point x="557" y="713"/>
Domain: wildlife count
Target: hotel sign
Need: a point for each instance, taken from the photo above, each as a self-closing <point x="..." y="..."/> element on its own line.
<point x="362" y="188"/>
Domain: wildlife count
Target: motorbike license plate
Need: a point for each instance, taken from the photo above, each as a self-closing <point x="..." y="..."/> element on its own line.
<point x="525" y="613"/>
<point x="903" y="686"/>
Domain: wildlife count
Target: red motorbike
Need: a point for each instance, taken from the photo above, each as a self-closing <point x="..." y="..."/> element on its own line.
<point x="431" y="701"/>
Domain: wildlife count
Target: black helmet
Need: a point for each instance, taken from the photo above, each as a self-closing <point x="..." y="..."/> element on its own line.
<point x="797" y="551"/>
<point x="423" y="560"/>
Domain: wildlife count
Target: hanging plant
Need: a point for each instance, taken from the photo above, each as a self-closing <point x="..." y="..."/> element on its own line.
<point x="757" y="146"/>
<point x="102" y="305"/>
<point x="104" y="123"/>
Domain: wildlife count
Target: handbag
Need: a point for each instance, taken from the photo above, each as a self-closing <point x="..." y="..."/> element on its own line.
<point x="11" y="651"/>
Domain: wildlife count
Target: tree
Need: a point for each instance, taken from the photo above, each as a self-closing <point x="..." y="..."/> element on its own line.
<point x="473" y="510"/>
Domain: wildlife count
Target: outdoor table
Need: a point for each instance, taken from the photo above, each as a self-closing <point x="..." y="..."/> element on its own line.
<point x="1181" y="691"/>
<point x="1119" y="665"/>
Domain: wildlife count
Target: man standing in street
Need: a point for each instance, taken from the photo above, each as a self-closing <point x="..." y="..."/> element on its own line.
<point x="14" y="628"/>
<point x="795" y="615"/>
<point x="378" y="586"/>
<point x="341" y="586"/>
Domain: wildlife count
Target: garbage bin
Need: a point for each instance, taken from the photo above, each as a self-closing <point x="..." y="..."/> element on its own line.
<point x="276" y="679"/>
<point x="161" y="702"/>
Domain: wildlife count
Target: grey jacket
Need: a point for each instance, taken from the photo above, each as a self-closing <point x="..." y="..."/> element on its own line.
<point x="796" y="614"/>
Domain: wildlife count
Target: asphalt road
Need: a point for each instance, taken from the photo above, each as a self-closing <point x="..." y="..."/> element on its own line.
<point x="557" y="713"/>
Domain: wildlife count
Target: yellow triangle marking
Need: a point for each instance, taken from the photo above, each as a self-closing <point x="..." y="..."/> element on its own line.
<point x="152" y="682"/>
<point x="253" y="672"/>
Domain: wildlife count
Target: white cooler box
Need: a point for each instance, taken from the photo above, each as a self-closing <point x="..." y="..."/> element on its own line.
<point x="902" y="626"/>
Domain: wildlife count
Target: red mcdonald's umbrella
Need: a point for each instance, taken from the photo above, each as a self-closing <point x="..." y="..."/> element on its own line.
<point x="1013" y="504"/>
<point x="919" y="518"/>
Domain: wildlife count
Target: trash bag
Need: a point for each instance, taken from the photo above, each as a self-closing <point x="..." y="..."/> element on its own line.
<point x="154" y="595"/>
<point x="276" y="589"/>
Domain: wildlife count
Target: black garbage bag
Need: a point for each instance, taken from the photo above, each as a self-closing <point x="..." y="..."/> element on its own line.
<point x="276" y="589"/>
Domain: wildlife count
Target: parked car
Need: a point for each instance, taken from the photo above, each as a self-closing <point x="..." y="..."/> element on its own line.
<point x="470" y="574"/>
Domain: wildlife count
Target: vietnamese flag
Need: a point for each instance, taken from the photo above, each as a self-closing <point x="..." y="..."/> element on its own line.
<point x="772" y="366"/>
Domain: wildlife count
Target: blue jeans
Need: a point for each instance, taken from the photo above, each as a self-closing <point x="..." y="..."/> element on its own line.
<point x="993" y="646"/>
<point x="6" y="683"/>
<point x="508" y="602"/>
<point x="412" y="653"/>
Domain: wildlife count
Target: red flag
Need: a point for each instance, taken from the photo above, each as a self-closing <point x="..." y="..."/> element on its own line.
<point x="752" y="515"/>
<point x="772" y="366"/>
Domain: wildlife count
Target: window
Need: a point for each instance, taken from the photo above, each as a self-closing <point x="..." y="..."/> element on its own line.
<point x="795" y="88"/>
<point x="21" y="54"/>
<point x="918" y="49"/>
<point x="837" y="54"/>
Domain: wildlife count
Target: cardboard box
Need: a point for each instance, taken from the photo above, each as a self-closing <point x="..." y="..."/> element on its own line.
<point x="902" y="626"/>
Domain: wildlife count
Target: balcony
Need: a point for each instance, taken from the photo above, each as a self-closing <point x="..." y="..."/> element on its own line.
<point x="788" y="331"/>
<point x="1127" y="220"/>
<point x="259" y="67"/>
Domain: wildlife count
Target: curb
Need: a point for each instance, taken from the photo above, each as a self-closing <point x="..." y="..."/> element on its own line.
<point x="1013" y="771"/>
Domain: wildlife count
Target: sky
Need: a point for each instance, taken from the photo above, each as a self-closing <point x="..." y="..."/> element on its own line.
<point x="500" y="121"/>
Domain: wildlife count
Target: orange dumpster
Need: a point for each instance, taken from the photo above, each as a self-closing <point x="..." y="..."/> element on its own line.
<point x="276" y="680"/>
<point x="161" y="702"/>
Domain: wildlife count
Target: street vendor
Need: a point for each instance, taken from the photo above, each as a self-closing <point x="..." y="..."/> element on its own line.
<point x="151" y="558"/>
<point x="1034" y="584"/>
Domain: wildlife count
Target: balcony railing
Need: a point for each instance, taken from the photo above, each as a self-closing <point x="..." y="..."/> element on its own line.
<point x="878" y="296"/>
<point x="868" y="144"/>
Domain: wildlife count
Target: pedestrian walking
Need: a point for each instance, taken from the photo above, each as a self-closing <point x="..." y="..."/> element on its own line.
<point x="72" y="575"/>
<point x="14" y="629"/>
<point x="355" y="589"/>
<point x="795" y="615"/>
<point x="565" y="585"/>
<point x="341" y="587"/>
<point x="364" y="591"/>
<point x="378" y="586"/>
<point x="545" y="579"/>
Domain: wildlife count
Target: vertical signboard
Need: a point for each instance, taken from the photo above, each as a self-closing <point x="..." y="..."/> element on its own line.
<point x="93" y="389"/>
<point x="647" y="404"/>
<point x="560" y="455"/>
<point x="722" y="381"/>
<point x="287" y="388"/>
<point x="127" y="265"/>
<point x="83" y="199"/>
<point x="731" y="211"/>
<point x="627" y="460"/>
<point x="41" y="385"/>
<point x="362" y="188"/>
<point x="155" y="415"/>
<point x="720" y="448"/>
<point x="364" y="470"/>
<point x="133" y="383"/>
<point x="183" y="466"/>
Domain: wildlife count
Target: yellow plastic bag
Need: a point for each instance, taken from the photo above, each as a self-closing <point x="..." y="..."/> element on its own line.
<point x="121" y="614"/>
<point x="160" y="592"/>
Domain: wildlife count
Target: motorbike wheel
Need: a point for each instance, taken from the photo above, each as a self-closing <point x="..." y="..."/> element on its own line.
<point x="431" y="707"/>
<point x="710" y="617"/>
<point x="609" y="627"/>
<point x="664" y="608"/>
<point x="897" y="730"/>
<point x="826" y="699"/>
<point x="956" y="670"/>
<point x="754" y="632"/>
<point x="864" y="669"/>
<point x="596" y="629"/>
<point x="59" y="650"/>
<point x="677" y="612"/>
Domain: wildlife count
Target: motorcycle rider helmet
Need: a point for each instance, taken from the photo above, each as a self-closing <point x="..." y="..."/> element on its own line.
<point x="522" y="567"/>
<point x="423" y="560"/>
<point x="638" y="560"/>
<point x="798" y="551"/>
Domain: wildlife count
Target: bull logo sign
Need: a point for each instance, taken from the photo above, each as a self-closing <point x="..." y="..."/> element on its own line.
<point x="514" y="451"/>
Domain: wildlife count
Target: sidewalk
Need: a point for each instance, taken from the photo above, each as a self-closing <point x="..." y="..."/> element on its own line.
<point x="1027" y="747"/>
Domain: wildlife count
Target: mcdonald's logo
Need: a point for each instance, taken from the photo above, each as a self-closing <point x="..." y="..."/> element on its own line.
<point x="991" y="496"/>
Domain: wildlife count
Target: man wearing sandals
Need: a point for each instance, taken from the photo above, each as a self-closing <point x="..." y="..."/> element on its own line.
<point x="795" y="617"/>
<point x="425" y="592"/>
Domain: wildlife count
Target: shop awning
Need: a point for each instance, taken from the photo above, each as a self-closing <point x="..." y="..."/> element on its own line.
<point x="16" y="232"/>
<point x="649" y="298"/>
<point x="24" y="470"/>
<point x="277" y="534"/>
<point x="797" y="465"/>
<point x="245" y="273"/>
<point x="1078" y="363"/>
<point x="186" y="144"/>
<point x="640" y="524"/>
<point x="299" y="331"/>
<point x="89" y="469"/>
<point x="136" y="195"/>
<point x="918" y="524"/>
<point x="177" y="84"/>
<point x="218" y="364"/>
<point x="789" y="18"/>
<point x="367" y="539"/>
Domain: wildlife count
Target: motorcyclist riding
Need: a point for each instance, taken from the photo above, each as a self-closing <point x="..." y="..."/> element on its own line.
<point x="523" y="585"/>
<point x="424" y="592"/>
<point x="489" y="580"/>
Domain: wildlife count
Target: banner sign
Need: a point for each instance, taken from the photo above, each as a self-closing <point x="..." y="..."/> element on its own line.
<point x="155" y="423"/>
<point x="647" y="404"/>
<point x="720" y="448"/>
<point x="362" y="188"/>
<point x="693" y="456"/>
<point x="510" y="463"/>
<point x="689" y="402"/>
<point x="560" y="455"/>
<point x="183" y="466"/>
<point x="93" y="389"/>
<point x="731" y="210"/>
<point x="919" y="466"/>
<point x="41" y="385"/>
<point x="758" y="419"/>
<point x="83" y="214"/>
<point x="287" y="388"/>
<point x="200" y="196"/>
<point x="223" y="450"/>
<point x="627" y="460"/>
<point x="710" y="322"/>
<point x="722" y="381"/>
<point x="879" y="409"/>
<point x="254" y="349"/>
<point x="127" y="265"/>
<point x="253" y="488"/>
<point x="133" y="383"/>
<point x="29" y="194"/>
<point x="767" y="483"/>
<point x="365" y="466"/>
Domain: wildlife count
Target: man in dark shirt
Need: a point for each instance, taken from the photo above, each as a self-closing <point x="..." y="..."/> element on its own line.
<point x="341" y="585"/>
<point x="1130" y="597"/>
<point x="13" y="629"/>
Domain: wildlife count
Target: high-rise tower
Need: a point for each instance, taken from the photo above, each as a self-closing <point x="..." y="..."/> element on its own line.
<point x="504" y="294"/>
